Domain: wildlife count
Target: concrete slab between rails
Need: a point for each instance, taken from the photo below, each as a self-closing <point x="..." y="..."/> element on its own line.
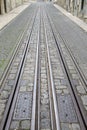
<point x="7" y="18"/>
<point x="76" y="20"/>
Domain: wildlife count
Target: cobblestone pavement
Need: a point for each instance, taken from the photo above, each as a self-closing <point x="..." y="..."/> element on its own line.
<point x="11" y="35"/>
<point x="45" y="120"/>
<point x="75" y="38"/>
<point x="22" y="114"/>
<point x="11" y="77"/>
<point x="42" y="71"/>
<point x="67" y="114"/>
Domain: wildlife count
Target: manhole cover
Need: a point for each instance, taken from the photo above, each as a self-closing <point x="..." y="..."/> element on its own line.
<point x="23" y="106"/>
<point x="66" y="109"/>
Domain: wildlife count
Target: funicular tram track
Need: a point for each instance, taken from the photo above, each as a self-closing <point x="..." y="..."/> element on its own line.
<point x="81" y="112"/>
<point x="21" y="39"/>
<point x="51" y="87"/>
<point x="37" y="121"/>
<point x="5" y="123"/>
<point x="53" y="98"/>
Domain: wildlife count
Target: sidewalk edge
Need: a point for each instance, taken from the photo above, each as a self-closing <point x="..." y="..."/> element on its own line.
<point x="1" y="29"/>
<point x="75" y="19"/>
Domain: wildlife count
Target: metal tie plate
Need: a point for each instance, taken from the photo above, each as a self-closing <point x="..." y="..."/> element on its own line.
<point x="66" y="108"/>
<point x="23" y="106"/>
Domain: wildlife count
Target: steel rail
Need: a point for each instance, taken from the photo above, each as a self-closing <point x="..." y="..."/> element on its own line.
<point x="79" y="70"/>
<point x="12" y="99"/>
<point x="52" y="87"/>
<point x="37" y="125"/>
<point x="34" y="106"/>
<point x="13" y="55"/>
<point x="52" y="115"/>
<point x="39" y="80"/>
<point x="76" y="100"/>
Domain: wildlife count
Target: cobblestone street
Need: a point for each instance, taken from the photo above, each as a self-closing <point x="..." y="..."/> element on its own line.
<point x="43" y="71"/>
<point x="11" y="35"/>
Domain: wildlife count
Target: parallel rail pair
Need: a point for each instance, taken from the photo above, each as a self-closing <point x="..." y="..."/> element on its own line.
<point x="54" y="114"/>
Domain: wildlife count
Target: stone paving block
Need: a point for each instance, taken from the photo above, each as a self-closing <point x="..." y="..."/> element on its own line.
<point x="13" y="71"/>
<point x="11" y="76"/>
<point x="4" y="94"/>
<point x="7" y="87"/>
<point x="2" y="106"/>
<point x="25" y="124"/>
<point x="75" y="127"/>
<point x="59" y="91"/>
<point x="81" y="89"/>
<point x="84" y="99"/>
<point x="61" y="87"/>
<point x="11" y="82"/>
<point x="65" y="126"/>
<point x="45" y="123"/>
<point x="66" y="91"/>
<point x="22" y="88"/>
<point x="14" y="125"/>
<point x="45" y="114"/>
